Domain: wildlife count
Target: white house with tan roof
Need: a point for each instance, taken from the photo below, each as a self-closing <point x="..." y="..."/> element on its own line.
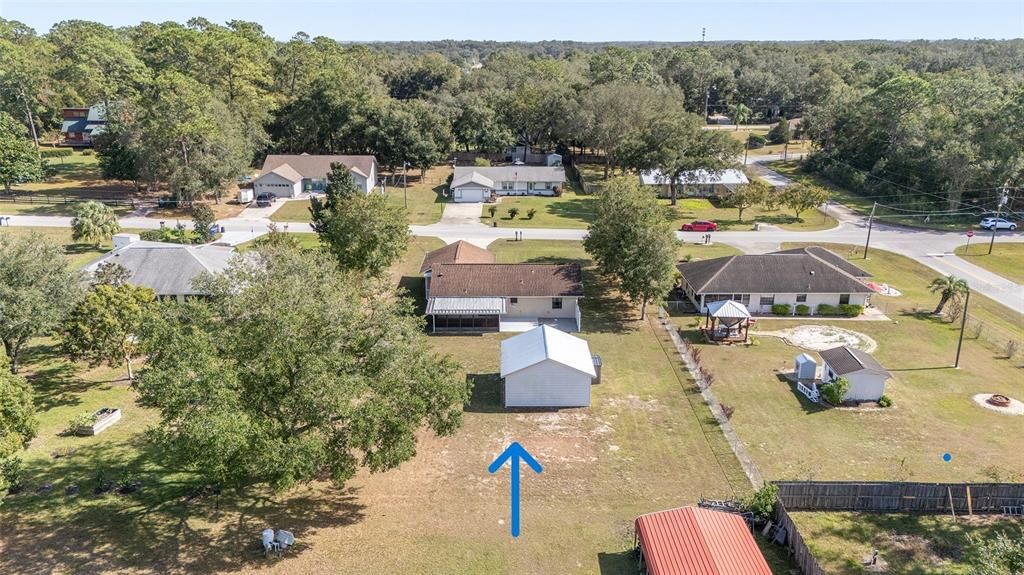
<point x="288" y="175"/>
<point x="484" y="183"/>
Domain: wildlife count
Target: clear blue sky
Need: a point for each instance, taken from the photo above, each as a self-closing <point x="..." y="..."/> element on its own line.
<point x="593" y="20"/>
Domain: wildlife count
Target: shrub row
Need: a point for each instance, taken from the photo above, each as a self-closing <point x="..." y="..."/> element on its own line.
<point x="56" y="152"/>
<point x="843" y="309"/>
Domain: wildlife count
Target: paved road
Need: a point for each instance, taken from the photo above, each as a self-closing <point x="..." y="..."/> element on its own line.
<point x="931" y="248"/>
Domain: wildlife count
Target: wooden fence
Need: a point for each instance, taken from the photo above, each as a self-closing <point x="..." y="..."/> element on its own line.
<point x="897" y="497"/>
<point x="795" y="543"/>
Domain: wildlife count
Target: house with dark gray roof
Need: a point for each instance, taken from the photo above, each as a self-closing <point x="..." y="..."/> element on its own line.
<point x="485" y="183"/>
<point x="809" y="278"/>
<point x="467" y="291"/>
<point x="167" y="269"/>
<point x="865" y="376"/>
<point x="81" y="125"/>
<point x="288" y="175"/>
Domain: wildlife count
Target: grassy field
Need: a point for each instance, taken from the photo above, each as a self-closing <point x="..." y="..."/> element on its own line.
<point x="795" y="146"/>
<point x="909" y="544"/>
<point x="863" y="205"/>
<point x="1007" y="259"/>
<point x="78" y="254"/>
<point x="647" y="443"/>
<point x="425" y="199"/>
<point x="791" y="438"/>
<point x="572" y="210"/>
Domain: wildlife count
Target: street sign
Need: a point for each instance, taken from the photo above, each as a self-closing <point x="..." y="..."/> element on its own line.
<point x="970" y="233"/>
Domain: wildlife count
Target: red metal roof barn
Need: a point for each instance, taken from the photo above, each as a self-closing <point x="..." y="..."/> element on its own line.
<point x="695" y="541"/>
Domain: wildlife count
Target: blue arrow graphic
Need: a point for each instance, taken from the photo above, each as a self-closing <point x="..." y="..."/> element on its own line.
<point x="515" y="452"/>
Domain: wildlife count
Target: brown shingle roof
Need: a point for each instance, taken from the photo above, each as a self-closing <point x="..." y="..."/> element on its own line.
<point x="540" y="280"/>
<point x="844" y="360"/>
<point x="317" y="166"/>
<point x="460" y="252"/>
<point x="769" y="273"/>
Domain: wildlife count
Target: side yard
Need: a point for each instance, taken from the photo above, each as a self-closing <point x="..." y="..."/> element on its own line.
<point x="644" y="445"/>
<point x="78" y="254"/>
<point x="909" y="544"/>
<point x="425" y="198"/>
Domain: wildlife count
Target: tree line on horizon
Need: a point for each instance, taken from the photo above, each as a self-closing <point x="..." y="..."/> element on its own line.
<point x="921" y="124"/>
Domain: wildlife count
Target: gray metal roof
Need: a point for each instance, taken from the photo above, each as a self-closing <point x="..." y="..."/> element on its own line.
<point x="769" y="273"/>
<point x="845" y="360"/>
<point x="512" y="173"/>
<point x="167" y="269"/>
<point x="543" y="343"/>
<point x="465" y="305"/>
<point x="318" y="166"/>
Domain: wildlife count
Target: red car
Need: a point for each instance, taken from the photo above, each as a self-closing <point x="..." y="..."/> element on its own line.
<point x="700" y="226"/>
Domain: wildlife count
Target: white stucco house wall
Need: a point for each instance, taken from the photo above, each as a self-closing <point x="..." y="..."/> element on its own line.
<point x="696" y="183"/>
<point x="482" y="183"/>
<point x="865" y="375"/>
<point x="546" y="367"/>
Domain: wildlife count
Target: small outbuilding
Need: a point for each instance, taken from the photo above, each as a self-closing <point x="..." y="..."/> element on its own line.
<point x="546" y="367"/>
<point x="697" y="541"/>
<point x="805" y="367"/>
<point x="726" y="320"/>
<point x="865" y="375"/>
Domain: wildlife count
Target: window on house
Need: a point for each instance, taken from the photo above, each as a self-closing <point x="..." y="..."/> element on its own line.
<point x="513" y="300"/>
<point x="507" y="185"/>
<point x="556" y="303"/>
<point x="844" y="299"/>
<point x="530" y="186"/>
<point x="767" y="300"/>
<point x="801" y="298"/>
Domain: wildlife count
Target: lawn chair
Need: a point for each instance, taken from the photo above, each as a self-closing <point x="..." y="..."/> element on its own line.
<point x="269" y="543"/>
<point x="284" y="539"/>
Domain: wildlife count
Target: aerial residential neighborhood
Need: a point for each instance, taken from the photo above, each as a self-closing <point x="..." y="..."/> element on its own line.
<point x="673" y="288"/>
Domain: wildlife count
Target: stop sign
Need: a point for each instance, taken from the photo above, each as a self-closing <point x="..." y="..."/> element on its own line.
<point x="970" y="233"/>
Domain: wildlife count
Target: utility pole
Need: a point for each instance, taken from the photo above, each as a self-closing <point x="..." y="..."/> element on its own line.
<point x="405" y="183"/>
<point x="871" y="221"/>
<point x="963" y="323"/>
<point x="999" y="212"/>
<point x="746" y="148"/>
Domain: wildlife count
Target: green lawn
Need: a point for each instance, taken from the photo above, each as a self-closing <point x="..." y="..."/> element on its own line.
<point x="573" y="210"/>
<point x="909" y="544"/>
<point x="646" y="443"/>
<point x="1006" y="259"/>
<point x="790" y="438"/>
<point x="78" y="254"/>
<point x="424" y="203"/>
<point x="862" y="205"/>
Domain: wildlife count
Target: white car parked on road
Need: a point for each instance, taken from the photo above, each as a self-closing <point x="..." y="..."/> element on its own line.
<point x="998" y="223"/>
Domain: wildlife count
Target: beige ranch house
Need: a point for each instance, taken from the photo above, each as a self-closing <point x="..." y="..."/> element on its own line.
<point x="485" y="184"/>
<point x="288" y="175"/>
<point x="804" y="276"/>
<point x="468" y="292"/>
<point x="695" y="183"/>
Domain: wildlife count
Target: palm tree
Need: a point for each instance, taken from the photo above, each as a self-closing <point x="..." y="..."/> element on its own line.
<point x="739" y="113"/>
<point x="951" y="287"/>
<point x="94" y="222"/>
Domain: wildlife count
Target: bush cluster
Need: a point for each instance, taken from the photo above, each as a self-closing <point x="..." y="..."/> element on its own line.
<point x="56" y="152"/>
<point x="803" y="309"/>
<point x="835" y="391"/>
<point x="781" y="309"/>
<point x="844" y="309"/>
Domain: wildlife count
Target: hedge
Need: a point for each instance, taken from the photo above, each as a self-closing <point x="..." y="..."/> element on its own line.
<point x="844" y="309"/>
<point x="803" y="309"/>
<point x="781" y="309"/>
<point x="56" y="152"/>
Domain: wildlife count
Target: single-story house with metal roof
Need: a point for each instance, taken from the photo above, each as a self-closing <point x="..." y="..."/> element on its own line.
<point x="288" y="175"/>
<point x="546" y="367"/>
<point x="485" y="183"/>
<point x="697" y="541"/>
<point x="810" y="277"/>
<point x="865" y="375"/>
<point x="467" y="291"/>
<point x="699" y="183"/>
<point x="167" y="269"/>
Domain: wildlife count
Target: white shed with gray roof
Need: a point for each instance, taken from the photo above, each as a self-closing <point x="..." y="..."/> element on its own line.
<point x="546" y="367"/>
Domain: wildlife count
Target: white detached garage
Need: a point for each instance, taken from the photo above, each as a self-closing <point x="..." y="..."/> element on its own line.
<point x="546" y="367"/>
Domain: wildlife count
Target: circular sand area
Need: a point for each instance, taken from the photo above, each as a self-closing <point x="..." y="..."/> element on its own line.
<point x="820" y="337"/>
<point x="1015" y="407"/>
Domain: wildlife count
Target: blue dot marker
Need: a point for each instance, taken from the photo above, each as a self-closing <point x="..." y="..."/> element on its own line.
<point x="947" y="457"/>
